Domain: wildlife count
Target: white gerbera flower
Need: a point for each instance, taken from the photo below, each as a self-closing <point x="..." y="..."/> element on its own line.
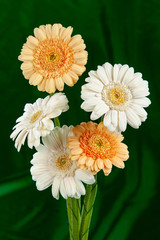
<point x="52" y="165"/>
<point x="36" y="120"/>
<point x="117" y="93"/>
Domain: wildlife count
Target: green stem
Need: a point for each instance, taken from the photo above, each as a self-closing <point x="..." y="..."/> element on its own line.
<point x="74" y="217"/>
<point x="87" y="210"/>
<point x="57" y="122"/>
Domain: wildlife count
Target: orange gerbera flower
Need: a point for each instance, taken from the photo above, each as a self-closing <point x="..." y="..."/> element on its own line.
<point x="53" y="57"/>
<point x="95" y="148"/>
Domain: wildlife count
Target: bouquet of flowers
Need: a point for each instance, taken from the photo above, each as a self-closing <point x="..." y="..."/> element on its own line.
<point x="68" y="157"/>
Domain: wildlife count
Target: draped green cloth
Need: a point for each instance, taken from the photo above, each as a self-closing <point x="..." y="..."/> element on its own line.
<point x="127" y="203"/>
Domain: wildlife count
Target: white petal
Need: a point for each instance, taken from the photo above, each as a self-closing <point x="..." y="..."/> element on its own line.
<point x="87" y="93"/>
<point x="128" y="76"/>
<point x="122" y="121"/>
<point x="45" y="100"/>
<point x="143" y="102"/>
<point x="39" y="169"/>
<point x="53" y="140"/>
<point x="111" y="128"/>
<point x="122" y="72"/>
<point x="91" y="102"/>
<point x="39" y="102"/>
<point x="20" y="119"/>
<point x="20" y="139"/>
<point x="16" y="132"/>
<point x="94" y="87"/>
<point x="115" y="72"/>
<point x="80" y="187"/>
<point x="139" y="110"/>
<point x="114" y="118"/>
<point x="85" y="176"/>
<point x="55" y="187"/>
<point x="132" y="118"/>
<point x="102" y="75"/>
<point x="31" y="139"/>
<point x="41" y="148"/>
<point x="86" y="107"/>
<point x="108" y="70"/>
<point x="135" y="82"/>
<point x="44" y="181"/>
<point x="48" y="124"/>
<point x="28" y="107"/>
<point x="92" y="74"/>
<point x="100" y="109"/>
<point x="70" y="186"/>
<point x="98" y="84"/>
<point x="63" y="189"/>
<point x="107" y="119"/>
<point x="140" y="92"/>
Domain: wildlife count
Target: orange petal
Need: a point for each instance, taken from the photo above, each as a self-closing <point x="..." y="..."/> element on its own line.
<point x="106" y="171"/>
<point x="73" y="75"/>
<point x="50" y="86"/>
<point x="41" y="86"/>
<point x="35" y="79"/>
<point x="90" y="162"/>
<point x="39" y="33"/>
<point x="74" y="157"/>
<point x="68" y="80"/>
<point x="78" y="69"/>
<point x="107" y="163"/>
<point x="59" y="84"/>
<point x="75" y="40"/>
<point x="100" y="163"/>
<point x="82" y="160"/>
<point x="118" y="162"/>
<point x="76" y="151"/>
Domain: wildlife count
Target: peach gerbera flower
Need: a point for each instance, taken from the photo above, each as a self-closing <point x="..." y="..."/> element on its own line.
<point x="53" y="57"/>
<point x="95" y="148"/>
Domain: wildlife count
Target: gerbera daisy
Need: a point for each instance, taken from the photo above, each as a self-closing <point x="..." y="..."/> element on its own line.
<point x="117" y="93"/>
<point x="95" y="148"/>
<point x="36" y="120"/>
<point x="52" y="165"/>
<point x="53" y="57"/>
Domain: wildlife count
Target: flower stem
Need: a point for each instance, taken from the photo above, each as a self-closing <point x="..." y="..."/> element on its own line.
<point x="87" y="210"/>
<point x="57" y="122"/>
<point x="74" y="217"/>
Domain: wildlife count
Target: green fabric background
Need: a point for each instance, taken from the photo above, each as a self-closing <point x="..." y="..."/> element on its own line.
<point x="127" y="203"/>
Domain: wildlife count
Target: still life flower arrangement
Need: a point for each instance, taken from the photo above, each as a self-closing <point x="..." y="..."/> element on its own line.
<point x="69" y="157"/>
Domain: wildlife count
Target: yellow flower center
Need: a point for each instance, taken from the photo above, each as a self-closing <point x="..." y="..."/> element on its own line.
<point x="52" y="58"/>
<point x="96" y="144"/>
<point x="99" y="144"/>
<point x="116" y="96"/>
<point x="63" y="162"/>
<point x="35" y="116"/>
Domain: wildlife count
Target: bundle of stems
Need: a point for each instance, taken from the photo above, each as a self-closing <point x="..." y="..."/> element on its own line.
<point x="79" y="215"/>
